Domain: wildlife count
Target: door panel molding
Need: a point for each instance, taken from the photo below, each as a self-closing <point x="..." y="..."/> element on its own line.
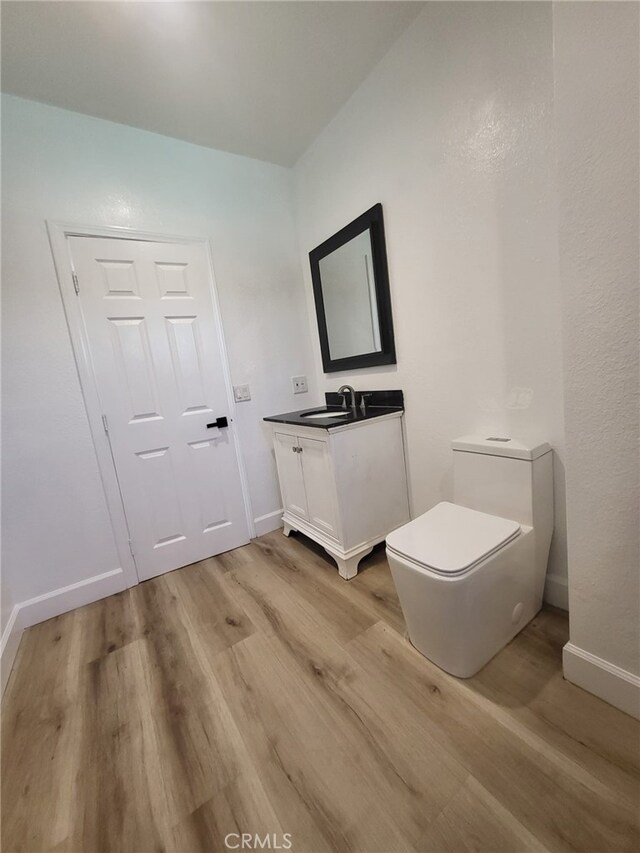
<point x="59" y="234"/>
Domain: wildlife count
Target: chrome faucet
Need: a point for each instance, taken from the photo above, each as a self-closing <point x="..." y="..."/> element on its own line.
<point x="341" y="392"/>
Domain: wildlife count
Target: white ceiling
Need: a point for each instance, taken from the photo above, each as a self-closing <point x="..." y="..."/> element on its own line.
<point x="255" y="78"/>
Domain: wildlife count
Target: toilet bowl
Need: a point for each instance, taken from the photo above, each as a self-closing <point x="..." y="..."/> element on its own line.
<point x="470" y="574"/>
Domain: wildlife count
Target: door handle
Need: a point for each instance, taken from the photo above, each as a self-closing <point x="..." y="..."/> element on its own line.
<point x="219" y="422"/>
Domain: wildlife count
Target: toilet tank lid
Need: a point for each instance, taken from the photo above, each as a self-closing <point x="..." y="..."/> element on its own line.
<point x="501" y="445"/>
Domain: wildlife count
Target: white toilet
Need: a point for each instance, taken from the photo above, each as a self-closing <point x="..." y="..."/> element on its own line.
<point x="471" y="574"/>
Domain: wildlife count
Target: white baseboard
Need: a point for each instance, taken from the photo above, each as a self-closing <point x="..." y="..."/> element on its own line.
<point x="556" y="591"/>
<point x="9" y="647"/>
<point x="67" y="598"/>
<point x="54" y="603"/>
<point x="611" y="683"/>
<point x="267" y="523"/>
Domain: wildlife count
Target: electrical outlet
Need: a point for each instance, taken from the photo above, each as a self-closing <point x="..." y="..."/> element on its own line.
<point x="241" y="393"/>
<point x="299" y="384"/>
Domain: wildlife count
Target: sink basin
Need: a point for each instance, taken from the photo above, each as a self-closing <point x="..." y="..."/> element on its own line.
<point x="325" y="414"/>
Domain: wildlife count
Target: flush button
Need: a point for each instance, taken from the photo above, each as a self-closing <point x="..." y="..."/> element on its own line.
<point x="495" y="438"/>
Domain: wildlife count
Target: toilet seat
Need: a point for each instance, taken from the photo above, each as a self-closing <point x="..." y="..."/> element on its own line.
<point x="450" y="539"/>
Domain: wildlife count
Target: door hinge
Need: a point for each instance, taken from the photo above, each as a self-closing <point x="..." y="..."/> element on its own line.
<point x="76" y="286"/>
<point x="133" y="553"/>
<point x="105" y="423"/>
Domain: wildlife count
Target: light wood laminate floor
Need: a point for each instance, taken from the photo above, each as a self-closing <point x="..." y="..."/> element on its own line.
<point x="258" y="692"/>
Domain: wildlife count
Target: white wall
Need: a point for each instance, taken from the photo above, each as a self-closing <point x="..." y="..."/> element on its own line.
<point x="597" y="116"/>
<point x="63" y="166"/>
<point x="453" y="133"/>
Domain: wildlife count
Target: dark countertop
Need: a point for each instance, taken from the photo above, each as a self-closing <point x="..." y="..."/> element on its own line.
<point x="297" y="419"/>
<point x="379" y="403"/>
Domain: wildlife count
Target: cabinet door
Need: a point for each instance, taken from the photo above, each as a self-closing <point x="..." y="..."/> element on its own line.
<point x="290" y="473"/>
<point x="319" y="485"/>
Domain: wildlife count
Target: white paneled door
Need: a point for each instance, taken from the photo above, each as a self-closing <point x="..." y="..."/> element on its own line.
<point x="156" y="355"/>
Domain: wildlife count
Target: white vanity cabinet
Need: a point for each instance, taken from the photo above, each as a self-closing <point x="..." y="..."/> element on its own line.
<point x="345" y="487"/>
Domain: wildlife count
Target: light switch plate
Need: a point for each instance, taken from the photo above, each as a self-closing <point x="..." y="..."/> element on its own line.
<point x="299" y="384"/>
<point x="241" y="393"/>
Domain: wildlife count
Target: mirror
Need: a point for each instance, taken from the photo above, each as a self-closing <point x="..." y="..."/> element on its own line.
<point x="351" y="291"/>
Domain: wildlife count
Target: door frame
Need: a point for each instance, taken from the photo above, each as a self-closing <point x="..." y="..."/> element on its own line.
<point x="59" y="232"/>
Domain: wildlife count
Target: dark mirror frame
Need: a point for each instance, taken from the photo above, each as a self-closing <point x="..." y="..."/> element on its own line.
<point x="371" y="221"/>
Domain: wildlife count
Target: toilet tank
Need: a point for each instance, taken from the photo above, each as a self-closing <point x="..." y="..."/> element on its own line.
<point x="505" y="476"/>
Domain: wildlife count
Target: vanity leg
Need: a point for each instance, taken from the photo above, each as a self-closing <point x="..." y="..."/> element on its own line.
<point x="287" y="528"/>
<point x="348" y="568"/>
